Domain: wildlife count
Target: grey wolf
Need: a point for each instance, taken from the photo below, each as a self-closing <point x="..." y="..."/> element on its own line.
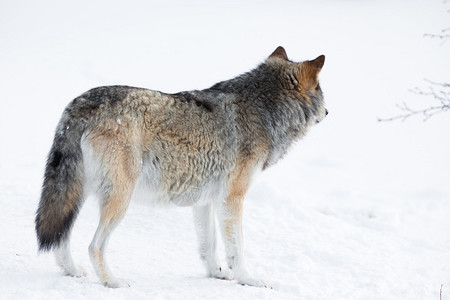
<point x="196" y="148"/>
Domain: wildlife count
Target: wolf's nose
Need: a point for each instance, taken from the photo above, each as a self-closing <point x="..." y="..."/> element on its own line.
<point x="326" y="112"/>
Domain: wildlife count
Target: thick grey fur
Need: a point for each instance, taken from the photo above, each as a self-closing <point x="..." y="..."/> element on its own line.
<point x="263" y="103"/>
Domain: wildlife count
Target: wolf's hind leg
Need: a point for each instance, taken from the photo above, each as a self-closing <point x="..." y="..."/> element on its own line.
<point x="121" y="173"/>
<point x="112" y="211"/>
<point x="65" y="261"/>
<point x="206" y="232"/>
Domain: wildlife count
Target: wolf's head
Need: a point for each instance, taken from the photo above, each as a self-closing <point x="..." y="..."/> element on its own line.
<point x="302" y="79"/>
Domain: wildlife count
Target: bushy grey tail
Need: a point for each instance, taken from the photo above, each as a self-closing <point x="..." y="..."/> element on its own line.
<point x="62" y="190"/>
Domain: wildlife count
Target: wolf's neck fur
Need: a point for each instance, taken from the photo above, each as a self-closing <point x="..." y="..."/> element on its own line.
<point x="269" y="92"/>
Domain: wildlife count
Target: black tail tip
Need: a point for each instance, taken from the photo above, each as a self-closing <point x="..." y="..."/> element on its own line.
<point x="46" y="242"/>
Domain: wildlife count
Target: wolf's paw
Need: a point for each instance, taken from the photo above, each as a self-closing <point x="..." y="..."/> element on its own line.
<point x="221" y="273"/>
<point x="116" y="283"/>
<point x="75" y="272"/>
<point x="251" y="281"/>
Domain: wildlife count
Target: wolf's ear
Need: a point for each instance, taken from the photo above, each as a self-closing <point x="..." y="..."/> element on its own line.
<point x="309" y="72"/>
<point x="280" y="53"/>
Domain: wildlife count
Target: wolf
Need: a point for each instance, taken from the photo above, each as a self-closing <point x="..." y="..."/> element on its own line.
<point x="198" y="148"/>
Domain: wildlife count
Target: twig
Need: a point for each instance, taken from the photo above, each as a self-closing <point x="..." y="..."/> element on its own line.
<point x="445" y="34"/>
<point x="427" y="113"/>
<point x="442" y="95"/>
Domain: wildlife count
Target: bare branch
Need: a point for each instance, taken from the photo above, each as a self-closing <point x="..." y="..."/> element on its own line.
<point x="444" y="36"/>
<point x="426" y="113"/>
<point x="439" y="92"/>
<point x="442" y="96"/>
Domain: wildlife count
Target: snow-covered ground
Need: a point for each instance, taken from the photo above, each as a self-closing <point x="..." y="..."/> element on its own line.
<point x="357" y="210"/>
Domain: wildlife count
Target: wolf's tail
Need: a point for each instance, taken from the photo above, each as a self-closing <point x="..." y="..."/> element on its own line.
<point x="62" y="190"/>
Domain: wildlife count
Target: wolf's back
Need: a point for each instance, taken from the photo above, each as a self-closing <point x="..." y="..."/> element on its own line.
<point x="62" y="190"/>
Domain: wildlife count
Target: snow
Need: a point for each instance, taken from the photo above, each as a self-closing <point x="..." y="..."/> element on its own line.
<point x="357" y="210"/>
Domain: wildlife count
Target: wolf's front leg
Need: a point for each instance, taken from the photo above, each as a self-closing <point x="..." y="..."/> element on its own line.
<point x="206" y="231"/>
<point x="231" y="223"/>
<point x="230" y="218"/>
